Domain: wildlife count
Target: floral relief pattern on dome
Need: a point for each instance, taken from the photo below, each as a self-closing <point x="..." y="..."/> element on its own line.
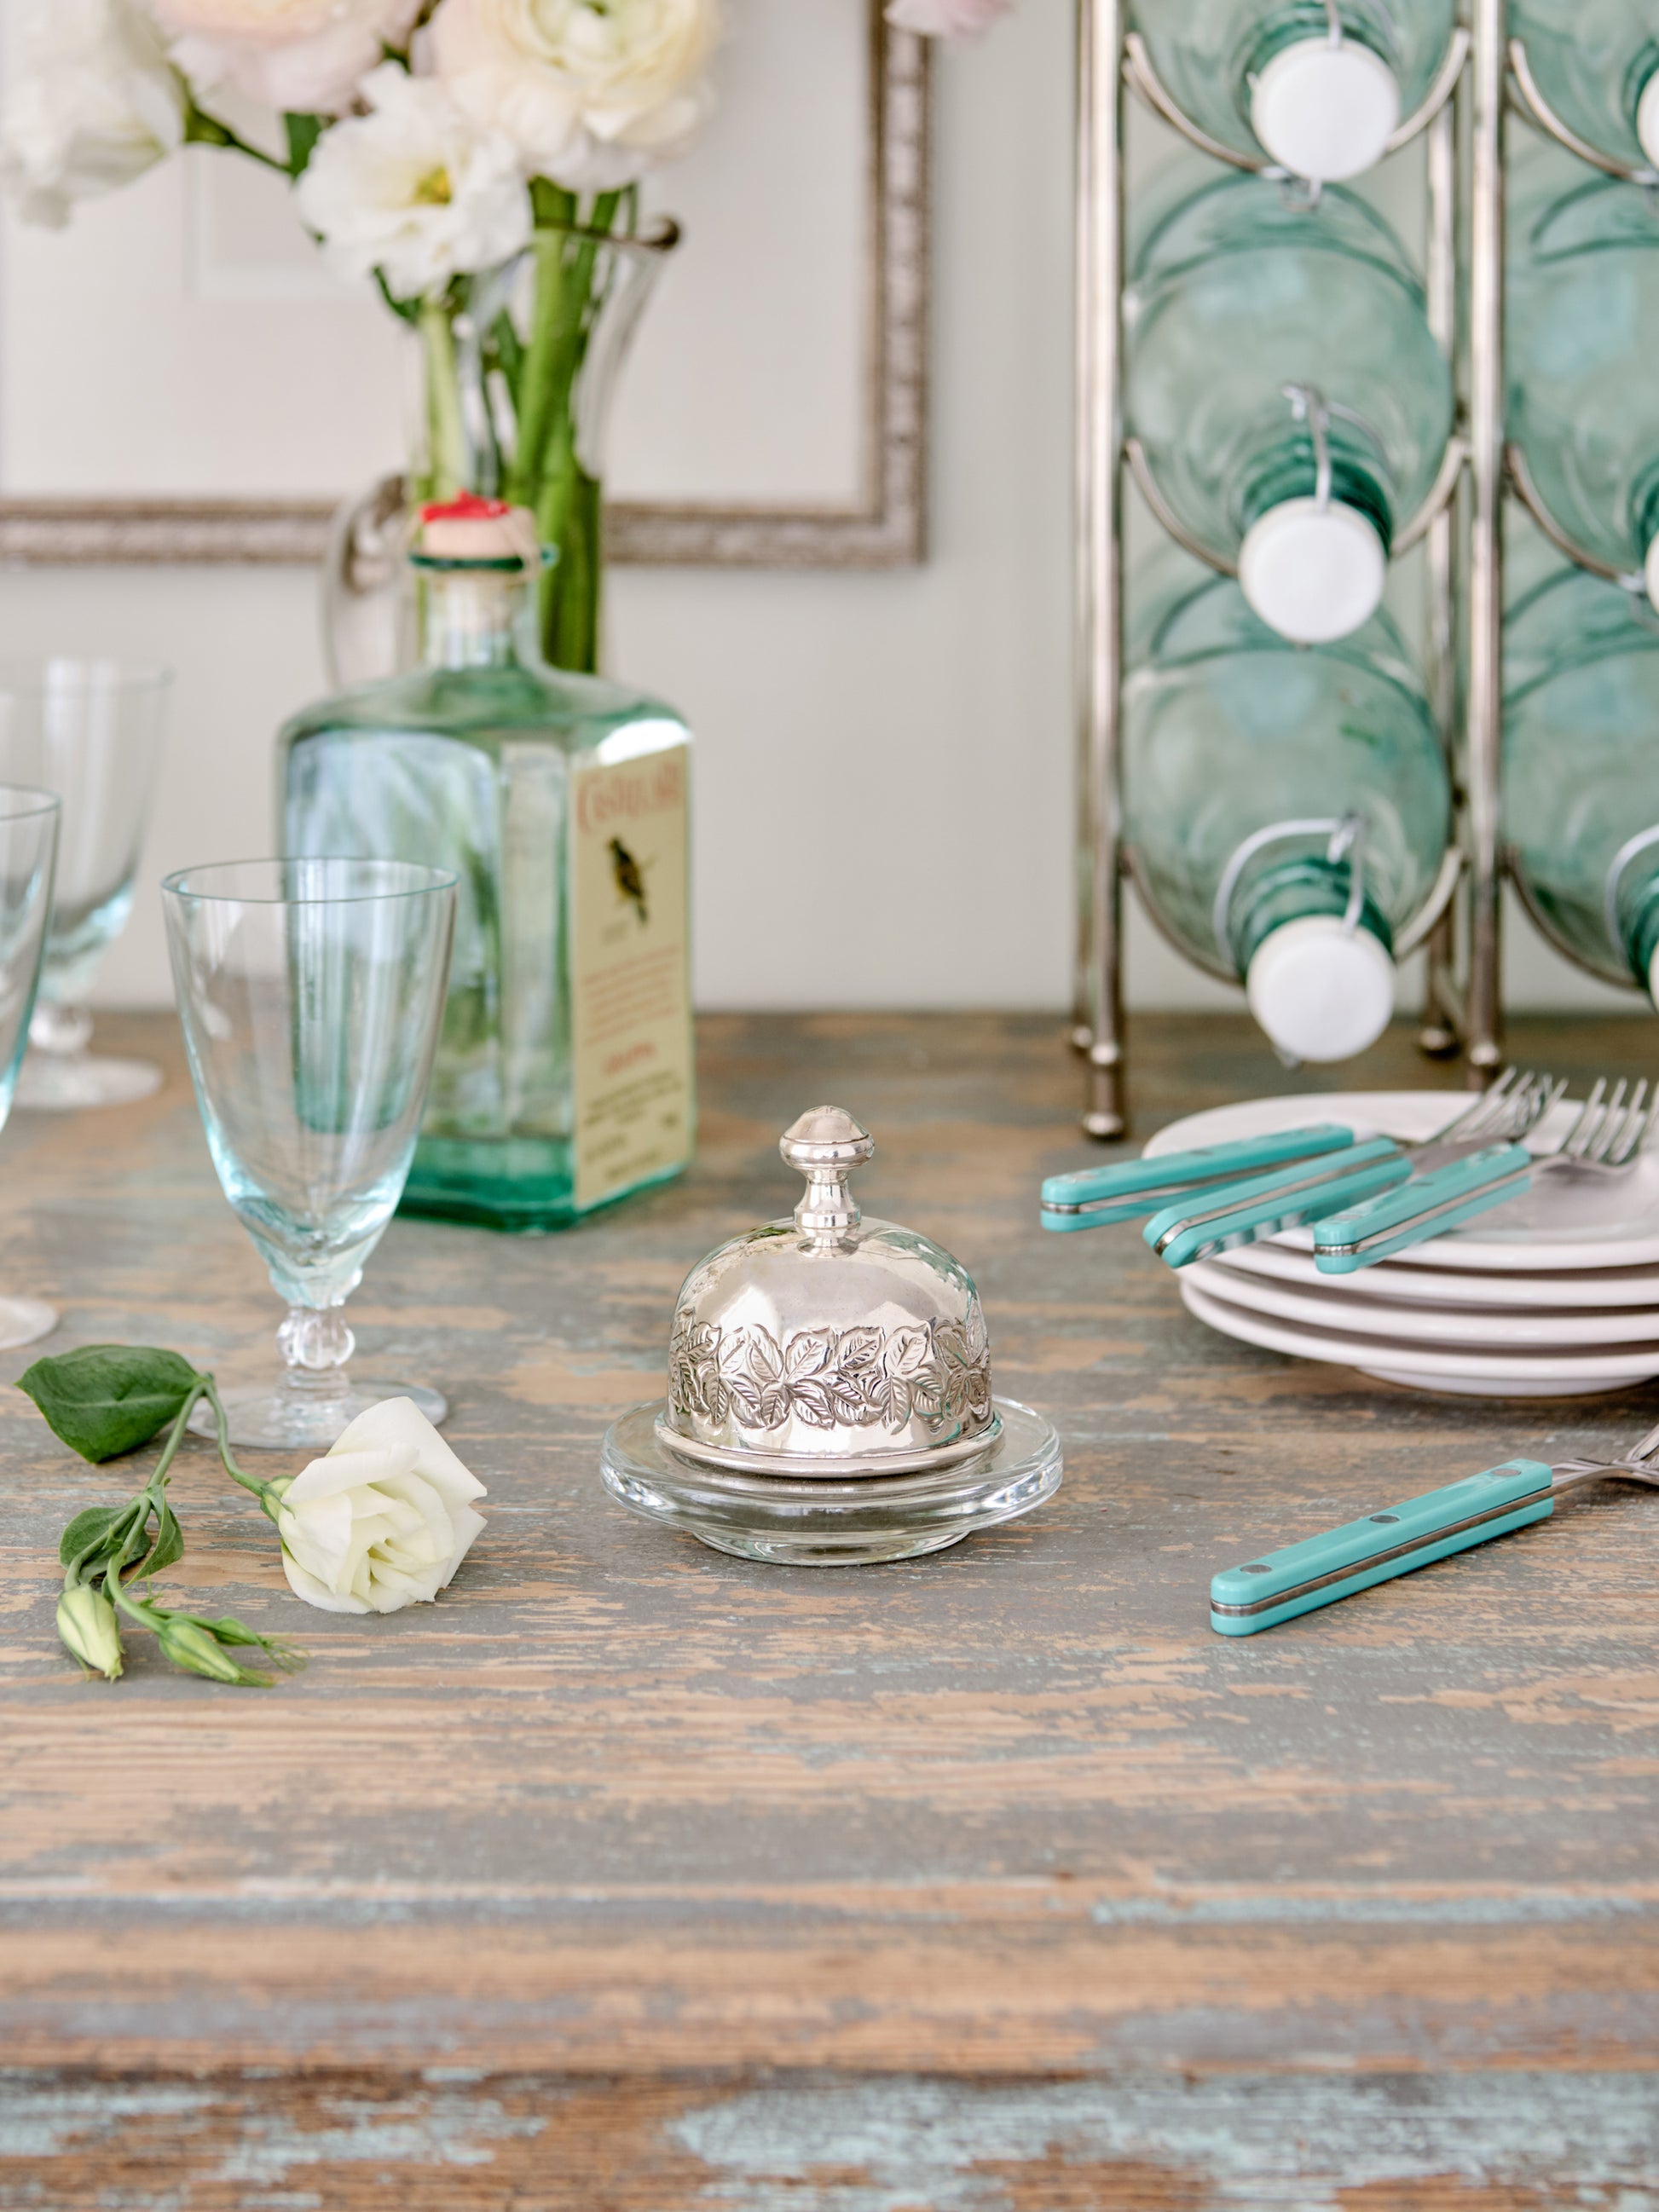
<point x="939" y="1370"/>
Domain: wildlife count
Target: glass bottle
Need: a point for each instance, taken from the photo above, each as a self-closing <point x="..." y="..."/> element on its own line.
<point x="1596" y="63"/>
<point x="1583" y="334"/>
<point x="1287" y="810"/>
<point x="1316" y="86"/>
<point x="1291" y="401"/>
<point x="564" y="1078"/>
<point x="1581" y="769"/>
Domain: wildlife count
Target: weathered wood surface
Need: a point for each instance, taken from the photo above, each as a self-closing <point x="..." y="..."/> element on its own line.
<point x="634" y="1876"/>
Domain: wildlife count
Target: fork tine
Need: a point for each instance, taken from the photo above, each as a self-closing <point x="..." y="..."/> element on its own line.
<point x="1595" y="1142"/>
<point x="1551" y="1090"/>
<point x="1573" y="1145"/>
<point x="1623" y="1143"/>
<point x="1473" y="1117"/>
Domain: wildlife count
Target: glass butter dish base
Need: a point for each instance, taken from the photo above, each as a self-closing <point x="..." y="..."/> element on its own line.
<point x="848" y="1518"/>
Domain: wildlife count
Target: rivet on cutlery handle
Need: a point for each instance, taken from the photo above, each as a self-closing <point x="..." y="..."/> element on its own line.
<point x="1426" y="1207"/>
<point x="1094" y="1198"/>
<point x="1220" y="1219"/>
<point x="1279" y="1585"/>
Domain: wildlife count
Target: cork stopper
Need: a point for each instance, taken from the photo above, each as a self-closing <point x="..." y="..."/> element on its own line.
<point x="469" y="528"/>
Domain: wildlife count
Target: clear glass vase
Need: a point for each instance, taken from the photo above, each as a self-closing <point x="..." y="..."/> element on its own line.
<point x="515" y="370"/>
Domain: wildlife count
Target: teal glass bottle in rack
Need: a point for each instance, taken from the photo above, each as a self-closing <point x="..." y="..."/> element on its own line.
<point x="1287" y="391"/>
<point x="563" y="1077"/>
<point x="1316" y="88"/>
<point x="1581" y="772"/>
<point x="1584" y="338"/>
<point x="1588" y="72"/>
<point x="1290" y="405"/>
<point x="1288" y="810"/>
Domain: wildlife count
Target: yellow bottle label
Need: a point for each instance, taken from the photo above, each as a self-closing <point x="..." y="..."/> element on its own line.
<point x="630" y="985"/>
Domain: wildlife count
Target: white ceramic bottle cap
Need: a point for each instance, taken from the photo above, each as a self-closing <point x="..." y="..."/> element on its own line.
<point x="1325" y="110"/>
<point x="1647" y="119"/>
<point x="1651" y="571"/>
<point x="1320" y="990"/>
<point x="1313" y="573"/>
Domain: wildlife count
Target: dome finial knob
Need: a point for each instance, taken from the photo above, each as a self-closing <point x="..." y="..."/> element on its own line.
<point x="825" y="1144"/>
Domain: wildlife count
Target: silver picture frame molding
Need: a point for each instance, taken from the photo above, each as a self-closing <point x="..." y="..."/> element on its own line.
<point x="885" y="527"/>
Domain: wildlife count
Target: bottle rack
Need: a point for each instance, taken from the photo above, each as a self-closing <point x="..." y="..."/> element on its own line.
<point x="1461" y="123"/>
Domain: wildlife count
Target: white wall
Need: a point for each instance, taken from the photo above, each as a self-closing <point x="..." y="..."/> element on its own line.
<point x="883" y="796"/>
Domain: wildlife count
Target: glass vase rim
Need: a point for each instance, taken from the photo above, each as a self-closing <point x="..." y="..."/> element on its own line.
<point x="39" y="802"/>
<point x="25" y="673"/>
<point x="184" y="884"/>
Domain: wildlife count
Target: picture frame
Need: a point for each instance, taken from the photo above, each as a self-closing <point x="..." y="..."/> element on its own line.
<point x="881" y="525"/>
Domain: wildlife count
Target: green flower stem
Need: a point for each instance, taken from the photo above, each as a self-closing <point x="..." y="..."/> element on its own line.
<point x="447" y="448"/>
<point x="204" y="130"/>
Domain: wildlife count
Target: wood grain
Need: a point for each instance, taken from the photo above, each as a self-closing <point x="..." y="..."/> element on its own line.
<point x="630" y="1875"/>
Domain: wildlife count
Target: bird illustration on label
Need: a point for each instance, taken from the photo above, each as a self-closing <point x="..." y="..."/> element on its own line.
<point x="629" y="877"/>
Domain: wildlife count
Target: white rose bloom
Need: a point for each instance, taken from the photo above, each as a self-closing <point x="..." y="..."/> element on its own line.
<point x="307" y="57"/>
<point x="592" y="93"/>
<point x="383" y="1520"/>
<point x="946" y="19"/>
<point x="96" y="104"/>
<point x="413" y="189"/>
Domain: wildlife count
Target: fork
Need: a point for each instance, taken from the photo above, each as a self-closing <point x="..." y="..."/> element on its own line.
<point x="1245" y="1212"/>
<point x="1096" y="1197"/>
<point x="1606" y="1137"/>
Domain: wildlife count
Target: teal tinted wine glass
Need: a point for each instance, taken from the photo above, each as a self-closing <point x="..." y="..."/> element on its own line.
<point x="310" y="994"/>
<point x="28" y="854"/>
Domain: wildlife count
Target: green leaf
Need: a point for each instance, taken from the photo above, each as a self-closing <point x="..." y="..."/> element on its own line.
<point x="96" y="1534"/>
<point x="107" y="1399"/>
<point x="169" y="1544"/>
<point x="303" y="132"/>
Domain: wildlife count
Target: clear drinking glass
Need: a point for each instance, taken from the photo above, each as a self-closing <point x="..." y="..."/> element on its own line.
<point x="310" y="994"/>
<point x="90" y="731"/>
<point x="28" y="846"/>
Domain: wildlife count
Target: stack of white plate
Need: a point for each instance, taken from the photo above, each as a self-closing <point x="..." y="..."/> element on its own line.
<point x="1554" y="1294"/>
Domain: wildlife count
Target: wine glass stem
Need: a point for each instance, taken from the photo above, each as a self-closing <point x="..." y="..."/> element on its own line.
<point x="60" y="1030"/>
<point x="315" y="1345"/>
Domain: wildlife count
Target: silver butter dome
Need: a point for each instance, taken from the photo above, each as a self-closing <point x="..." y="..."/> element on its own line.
<point x="825" y="1337"/>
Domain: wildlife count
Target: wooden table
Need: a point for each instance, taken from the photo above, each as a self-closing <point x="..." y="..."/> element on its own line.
<point x="635" y="1876"/>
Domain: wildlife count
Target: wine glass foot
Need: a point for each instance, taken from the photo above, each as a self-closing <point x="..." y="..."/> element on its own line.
<point x="62" y="1083"/>
<point x="25" y="1321"/>
<point x="298" y="1420"/>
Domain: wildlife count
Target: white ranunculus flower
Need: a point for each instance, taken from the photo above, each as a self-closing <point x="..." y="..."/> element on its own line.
<point x="592" y="92"/>
<point x="414" y="189"/>
<point x="307" y="57"/>
<point x="946" y="19"/>
<point x="383" y="1519"/>
<point x="96" y="106"/>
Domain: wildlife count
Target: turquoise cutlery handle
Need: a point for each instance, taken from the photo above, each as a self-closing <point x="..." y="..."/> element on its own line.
<point x="1428" y="1205"/>
<point x="1218" y="1219"/>
<point x="1094" y="1198"/>
<point x="1280" y="1585"/>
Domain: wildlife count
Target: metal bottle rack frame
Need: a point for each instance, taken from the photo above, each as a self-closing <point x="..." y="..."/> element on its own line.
<point x="1462" y="124"/>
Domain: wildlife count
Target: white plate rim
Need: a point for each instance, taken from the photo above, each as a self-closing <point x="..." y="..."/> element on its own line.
<point x="1525" y="1328"/>
<point x="1395" y="1112"/>
<point x="1328" y="1347"/>
<point x="1277" y="1260"/>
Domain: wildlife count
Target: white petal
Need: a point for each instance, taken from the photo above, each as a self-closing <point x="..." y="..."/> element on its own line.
<point x="315" y="1593"/>
<point x="340" y="1471"/>
<point x="467" y="1525"/>
<point x="399" y="1421"/>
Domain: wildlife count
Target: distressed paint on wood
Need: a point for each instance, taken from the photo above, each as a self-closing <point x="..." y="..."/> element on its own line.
<point x="619" y="1811"/>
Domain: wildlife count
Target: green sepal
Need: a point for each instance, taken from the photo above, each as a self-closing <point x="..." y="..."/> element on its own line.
<point x="107" y="1399"/>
